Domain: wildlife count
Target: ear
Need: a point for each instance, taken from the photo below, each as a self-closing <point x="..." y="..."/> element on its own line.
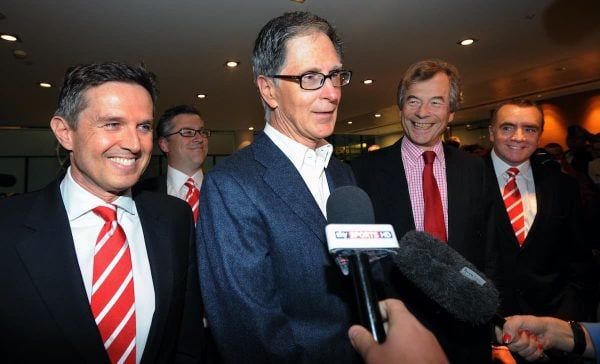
<point x="491" y="131"/>
<point x="62" y="131"/>
<point x="163" y="144"/>
<point x="450" y="118"/>
<point x="267" y="90"/>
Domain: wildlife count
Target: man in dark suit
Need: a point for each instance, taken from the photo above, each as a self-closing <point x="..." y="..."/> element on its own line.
<point x="544" y="265"/>
<point x="428" y="96"/>
<point x="90" y="273"/>
<point x="272" y="292"/>
<point x="183" y="139"/>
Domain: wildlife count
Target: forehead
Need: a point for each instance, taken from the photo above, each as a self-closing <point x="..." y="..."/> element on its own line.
<point x="310" y="50"/>
<point x="436" y="86"/>
<point x="116" y="94"/>
<point x="514" y="114"/>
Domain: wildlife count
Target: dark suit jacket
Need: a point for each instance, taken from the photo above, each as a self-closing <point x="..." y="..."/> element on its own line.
<point x="550" y="274"/>
<point x="271" y="290"/>
<point x="381" y="174"/>
<point x="45" y="316"/>
<point x="154" y="184"/>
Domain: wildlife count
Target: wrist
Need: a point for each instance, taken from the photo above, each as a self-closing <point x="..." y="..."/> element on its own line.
<point x="579" y="340"/>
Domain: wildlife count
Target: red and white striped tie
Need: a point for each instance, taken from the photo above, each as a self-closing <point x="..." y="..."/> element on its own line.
<point x="113" y="301"/>
<point x="193" y="197"/>
<point x="514" y="204"/>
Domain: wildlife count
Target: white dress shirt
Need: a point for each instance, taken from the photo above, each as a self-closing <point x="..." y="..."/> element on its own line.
<point x="85" y="227"/>
<point x="525" y="183"/>
<point x="310" y="164"/>
<point x="176" y="182"/>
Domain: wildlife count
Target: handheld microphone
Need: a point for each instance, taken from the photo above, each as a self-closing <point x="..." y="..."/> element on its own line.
<point x="447" y="278"/>
<point x="353" y="239"/>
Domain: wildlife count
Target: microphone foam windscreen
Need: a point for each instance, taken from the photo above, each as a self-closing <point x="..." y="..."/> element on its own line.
<point x="349" y="205"/>
<point x="446" y="277"/>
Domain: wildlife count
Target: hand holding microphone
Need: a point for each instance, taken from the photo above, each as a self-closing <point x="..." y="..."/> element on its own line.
<point x="408" y="341"/>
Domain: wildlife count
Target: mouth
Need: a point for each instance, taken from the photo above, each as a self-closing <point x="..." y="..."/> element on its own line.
<point x="126" y="162"/>
<point x="421" y="126"/>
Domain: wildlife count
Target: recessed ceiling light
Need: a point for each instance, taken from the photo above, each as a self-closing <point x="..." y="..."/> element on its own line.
<point x="201" y="96"/>
<point x="368" y="81"/>
<point x="19" y="54"/>
<point x="467" y="41"/>
<point x="251" y="128"/>
<point x="378" y="115"/>
<point x="45" y="84"/>
<point x="350" y="123"/>
<point x="9" y="37"/>
<point x="232" y="64"/>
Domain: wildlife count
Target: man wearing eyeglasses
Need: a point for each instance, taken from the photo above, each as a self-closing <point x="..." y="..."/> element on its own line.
<point x="184" y="141"/>
<point x="272" y="292"/>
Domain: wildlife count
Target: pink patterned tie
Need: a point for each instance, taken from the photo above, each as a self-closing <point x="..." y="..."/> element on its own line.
<point x="193" y="197"/>
<point x="113" y="301"/>
<point x="514" y="205"/>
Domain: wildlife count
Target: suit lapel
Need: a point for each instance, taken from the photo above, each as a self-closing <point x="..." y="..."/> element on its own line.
<point x="394" y="185"/>
<point x="287" y="184"/>
<point x="50" y="258"/>
<point x="159" y="252"/>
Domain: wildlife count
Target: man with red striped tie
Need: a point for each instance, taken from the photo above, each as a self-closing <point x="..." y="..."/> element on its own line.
<point x="183" y="139"/>
<point x="90" y="273"/>
<point x="544" y="263"/>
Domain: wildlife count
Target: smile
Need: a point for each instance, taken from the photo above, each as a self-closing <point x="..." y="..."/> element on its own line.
<point x="421" y="125"/>
<point x="123" y="161"/>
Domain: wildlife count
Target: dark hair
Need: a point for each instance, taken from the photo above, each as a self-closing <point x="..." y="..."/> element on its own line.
<point x="164" y="122"/>
<point x="519" y="103"/>
<point x="426" y="70"/>
<point x="80" y="78"/>
<point x="269" y="55"/>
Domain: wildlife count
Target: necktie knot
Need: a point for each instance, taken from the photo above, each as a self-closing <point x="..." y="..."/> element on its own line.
<point x="109" y="214"/>
<point x="512" y="172"/>
<point x="190" y="183"/>
<point x="429" y="156"/>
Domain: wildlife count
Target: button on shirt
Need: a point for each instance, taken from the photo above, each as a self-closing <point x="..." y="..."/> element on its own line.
<point x="85" y="227"/>
<point x="525" y="183"/>
<point x="310" y="164"/>
<point x="176" y="182"/>
<point x="414" y="164"/>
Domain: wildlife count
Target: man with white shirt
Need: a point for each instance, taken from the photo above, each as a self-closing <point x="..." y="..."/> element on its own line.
<point x="90" y="273"/>
<point x="272" y="292"/>
<point x="183" y="139"/>
<point x="544" y="262"/>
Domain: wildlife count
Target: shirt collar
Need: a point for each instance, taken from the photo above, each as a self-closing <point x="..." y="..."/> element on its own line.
<point x="79" y="201"/>
<point x="177" y="178"/>
<point x="501" y="166"/>
<point x="414" y="152"/>
<point x="298" y="153"/>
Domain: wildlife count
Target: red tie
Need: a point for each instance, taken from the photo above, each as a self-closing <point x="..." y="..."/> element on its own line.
<point x="514" y="205"/>
<point x="193" y="197"/>
<point x="434" y="212"/>
<point x="113" y="301"/>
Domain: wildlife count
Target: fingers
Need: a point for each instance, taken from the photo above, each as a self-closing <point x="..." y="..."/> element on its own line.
<point x="361" y="339"/>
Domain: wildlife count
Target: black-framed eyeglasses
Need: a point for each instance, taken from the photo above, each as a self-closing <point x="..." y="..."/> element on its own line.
<point x="316" y="80"/>
<point x="190" y="133"/>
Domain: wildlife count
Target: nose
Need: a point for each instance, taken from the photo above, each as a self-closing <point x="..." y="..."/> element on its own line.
<point x="518" y="135"/>
<point x="131" y="139"/>
<point x="330" y="92"/>
<point x="422" y="110"/>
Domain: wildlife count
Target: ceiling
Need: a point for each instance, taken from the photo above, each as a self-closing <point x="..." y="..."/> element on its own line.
<point x="540" y="49"/>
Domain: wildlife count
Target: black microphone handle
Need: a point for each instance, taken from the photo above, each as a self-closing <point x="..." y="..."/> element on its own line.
<point x="369" y="315"/>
